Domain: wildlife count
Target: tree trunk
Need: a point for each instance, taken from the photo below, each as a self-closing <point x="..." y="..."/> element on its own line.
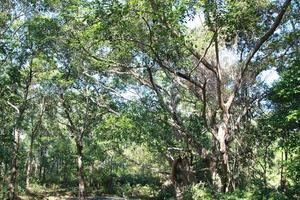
<point x="29" y="162"/>
<point x="225" y="170"/>
<point x="215" y="176"/>
<point x="283" y="180"/>
<point x="13" y="174"/>
<point x="79" y="145"/>
<point x="175" y="170"/>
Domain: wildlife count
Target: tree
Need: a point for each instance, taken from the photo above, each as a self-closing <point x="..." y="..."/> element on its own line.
<point x="68" y="70"/>
<point x="164" y="59"/>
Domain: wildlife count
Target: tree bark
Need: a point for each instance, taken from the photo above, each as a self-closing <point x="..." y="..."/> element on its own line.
<point x="79" y="146"/>
<point x="13" y="174"/>
<point x="175" y="170"/>
<point x="222" y="135"/>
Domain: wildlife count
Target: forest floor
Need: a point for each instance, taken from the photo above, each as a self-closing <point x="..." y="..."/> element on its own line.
<point x="57" y="194"/>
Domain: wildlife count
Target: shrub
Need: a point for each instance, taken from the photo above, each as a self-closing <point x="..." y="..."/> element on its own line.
<point x="197" y="191"/>
<point x="167" y="192"/>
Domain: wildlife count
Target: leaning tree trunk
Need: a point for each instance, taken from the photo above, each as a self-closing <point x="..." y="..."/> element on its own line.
<point x="79" y="146"/>
<point x="13" y="174"/>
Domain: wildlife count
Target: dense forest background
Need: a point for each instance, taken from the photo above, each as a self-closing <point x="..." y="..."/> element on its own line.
<point x="150" y="99"/>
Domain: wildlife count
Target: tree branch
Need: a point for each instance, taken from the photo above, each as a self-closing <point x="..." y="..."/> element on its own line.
<point x="257" y="46"/>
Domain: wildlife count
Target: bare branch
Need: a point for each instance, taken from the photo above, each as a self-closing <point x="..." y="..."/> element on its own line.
<point x="13" y="106"/>
<point x="205" y="52"/>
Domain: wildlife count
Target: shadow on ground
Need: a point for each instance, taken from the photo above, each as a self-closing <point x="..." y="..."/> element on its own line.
<point x="59" y="194"/>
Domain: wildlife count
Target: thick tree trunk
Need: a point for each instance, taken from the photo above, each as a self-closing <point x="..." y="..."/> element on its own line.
<point x="13" y="173"/>
<point x="215" y="176"/>
<point x="79" y="145"/>
<point x="222" y="135"/>
<point x="175" y="170"/>
<point x="224" y="158"/>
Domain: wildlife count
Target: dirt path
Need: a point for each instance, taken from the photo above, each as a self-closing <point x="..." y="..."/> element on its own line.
<point x="99" y="198"/>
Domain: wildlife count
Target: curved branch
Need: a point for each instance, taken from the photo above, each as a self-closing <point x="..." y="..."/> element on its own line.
<point x="257" y="46"/>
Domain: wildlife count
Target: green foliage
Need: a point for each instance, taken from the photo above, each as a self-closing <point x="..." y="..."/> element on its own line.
<point x="66" y="71"/>
<point x="167" y="192"/>
<point x="286" y="94"/>
<point x="197" y="191"/>
<point x="293" y="171"/>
